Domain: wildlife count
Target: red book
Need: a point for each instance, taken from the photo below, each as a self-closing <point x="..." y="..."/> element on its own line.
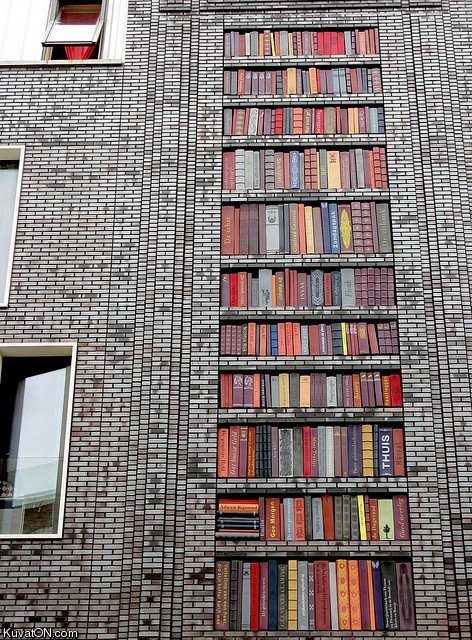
<point x="328" y="297"/>
<point x="327" y="504"/>
<point x="242" y="289"/>
<point x="313" y="452"/>
<point x="299" y="519"/>
<point x="257" y="391"/>
<point x="254" y="597"/>
<point x="289" y="338"/>
<point x="374" y="345"/>
<point x="374" y="519"/>
<point x="233" y="289"/>
<point x="398" y="453"/>
<point x="395" y="390"/>
<point x="401" y="520"/>
<point x="306" y="452"/>
<point x="251" y="452"/>
<point x="263" y="340"/>
<point x="226" y="390"/>
<point x="314" y="340"/>
<point x="229" y="171"/>
<point x="223" y="453"/>
<point x="243" y="449"/>
<point x="322" y="600"/>
<point x="272" y="519"/>
<point x="233" y="471"/>
<point x="297" y="339"/>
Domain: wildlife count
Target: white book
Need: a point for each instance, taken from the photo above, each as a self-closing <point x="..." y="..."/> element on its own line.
<point x="317" y="518"/>
<point x="289" y="519"/>
<point x="256" y="171"/>
<point x="239" y="169"/>
<point x="374" y="120"/>
<point x="331" y="393"/>
<point x="286" y="453"/>
<point x="253" y="121"/>
<point x="248" y="169"/>
<point x="302" y="604"/>
<point x="246" y="597"/>
<point x="284" y="43"/>
<point x="333" y="596"/>
<point x="330" y="451"/>
<point x="272" y="217"/>
<point x="348" y="290"/>
<point x="265" y="288"/>
<point x="347" y="43"/>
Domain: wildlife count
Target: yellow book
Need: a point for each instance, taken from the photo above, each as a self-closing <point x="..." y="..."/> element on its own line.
<point x="350" y="119"/>
<point x="274" y="292"/>
<point x="272" y="43"/>
<point x="312" y="80"/>
<point x="345" y="231"/>
<point x="362" y="524"/>
<point x="292" y="595"/>
<point x="304" y="391"/>
<point x="261" y="44"/>
<point x="367" y="450"/>
<point x="284" y="390"/>
<point x="309" y="230"/>
<point x="386" y="526"/>
<point x="291" y="80"/>
<point x="334" y="170"/>
<point x="290" y="44"/>
<point x="344" y="337"/>
<point x="342" y="585"/>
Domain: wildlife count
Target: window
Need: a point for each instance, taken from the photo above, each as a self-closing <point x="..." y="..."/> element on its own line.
<point x="75" y="32"/>
<point x="34" y="30"/>
<point x="11" y="165"/>
<point x="36" y="400"/>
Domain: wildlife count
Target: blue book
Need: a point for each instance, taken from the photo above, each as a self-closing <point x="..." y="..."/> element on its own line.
<point x="326" y="227"/>
<point x="378" y="605"/>
<point x="336" y="289"/>
<point x="294" y="170"/>
<point x="274" y="340"/>
<point x="273" y="608"/>
<point x="334" y="228"/>
<point x="385" y="451"/>
<point x="354" y="443"/>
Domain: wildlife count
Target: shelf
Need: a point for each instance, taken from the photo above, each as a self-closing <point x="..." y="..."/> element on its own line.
<point x="279" y="486"/>
<point x="303" y="363"/>
<point x="303" y="61"/>
<point x="302" y="261"/>
<point x="331" y="99"/>
<point x="300" y="415"/>
<point x="287" y="195"/>
<point x="359" y="140"/>
<point x="300" y="313"/>
<point x="309" y="548"/>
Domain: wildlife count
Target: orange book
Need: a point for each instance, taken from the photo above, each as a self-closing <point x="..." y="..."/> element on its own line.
<point x="223" y="453"/>
<point x="354" y="595"/>
<point x="251" y="452"/>
<point x="374" y="519"/>
<point x="272" y="519"/>
<point x="235" y="506"/>
<point x="301" y="228"/>
<point x="274" y="293"/>
<point x="356" y="389"/>
<point x="257" y="390"/>
<point x="289" y="338"/>
<point x="342" y="585"/>
<point x="299" y="519"/>
<point x="386" y="391"/>
<point x="281" y="342"/>
<point x="327" y="505"/>
<point x="334" y="170"/>
<point x="297" y="339"/>
<point x="370" y="584"/>
<point x="372" y="172"/>
<point x="304" y="391"/>
<point x="263" y="340"/>
<point x="251" y="339"/>
<point x="313" y="80"/>
<point x="298" y="120"/>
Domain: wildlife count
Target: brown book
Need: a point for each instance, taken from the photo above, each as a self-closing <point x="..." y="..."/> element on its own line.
<point x="222" y="595"/>
<point x="327" y="503"/>
<point x="251" y="452"/>
<point x="229" y="171"/>
<point x="227" y="230"/>
<point x="398" y="452"/>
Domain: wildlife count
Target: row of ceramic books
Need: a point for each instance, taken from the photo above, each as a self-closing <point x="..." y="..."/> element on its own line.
<point x="264" y="288"/>
<point x="363" y="389"/>
<point x="323" y="451"/>
<point x="298" y="81"/>
<point x="314" y="339"/>
<point x="306" y="43"/>
<point x="346" y="516"/>
<point x="328" y="169"/>
<point x="277" y="121"/>
<point x="347" y="594"/>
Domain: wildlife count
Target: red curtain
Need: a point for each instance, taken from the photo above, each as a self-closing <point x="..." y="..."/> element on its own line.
<point x="79" y="52"/>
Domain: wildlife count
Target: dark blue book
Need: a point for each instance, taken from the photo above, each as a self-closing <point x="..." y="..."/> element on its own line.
<point x="334" y="228"/>
<point x="326" y="227"/>
<point x="378" y="604"/>
<point x="274" y="340"/>
<point x="294" y="170"/>
<point x="354" y="444"/>
<point x="385" y="451"/>
<point x="273" y="609"/>
<point x="336" y="289"/>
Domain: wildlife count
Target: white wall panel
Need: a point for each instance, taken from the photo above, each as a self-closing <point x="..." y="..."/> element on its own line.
<point x="113" y="46"/>
<point x="22" y="27"/>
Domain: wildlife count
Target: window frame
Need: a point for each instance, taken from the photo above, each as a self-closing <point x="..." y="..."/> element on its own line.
<point x="54" y="10"/>
<point x="12" y="152"/>
<point x="38" y="349"/>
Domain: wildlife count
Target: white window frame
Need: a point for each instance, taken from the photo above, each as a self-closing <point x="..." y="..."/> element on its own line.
<point x="47" y="349"/>
<point x="12" y="152"/>
<point x="54" y="14"/>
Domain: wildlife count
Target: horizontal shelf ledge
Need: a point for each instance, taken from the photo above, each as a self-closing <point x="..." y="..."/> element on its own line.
<point x="361" y="139"/>
<point x="286" y="195"/>
<point x="302" y="261"/>
<point x="261" y="100"/>
<point x="306" y="549"/>
<point x="309" y="485"/>
<point x="302" y="61"/>
<point x="292" y="313"/>
<point x="295" y="363"/>
<point x="385" y="414"/>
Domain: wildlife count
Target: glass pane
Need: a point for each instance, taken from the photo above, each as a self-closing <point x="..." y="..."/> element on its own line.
<point x="8" y="186"/>
<point x="72" y="34"/>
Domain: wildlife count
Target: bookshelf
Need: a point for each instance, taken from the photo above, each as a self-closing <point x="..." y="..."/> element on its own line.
<point x="285" y="82"/>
